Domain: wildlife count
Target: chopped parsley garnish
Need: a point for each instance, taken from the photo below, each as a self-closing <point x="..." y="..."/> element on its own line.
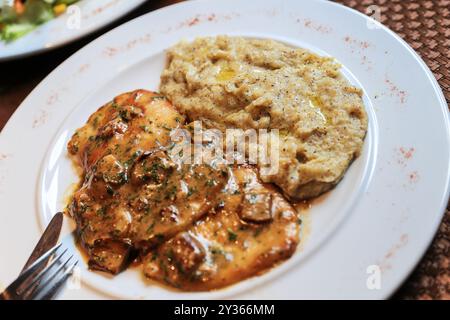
<point x="232" y="236"/>
<point x="159" y="97"/>
<point x="253" y="199"/>
<point x="159" y="237"/>
<point x="171" y="192"/>
<point x="216" y="250"/>
<point x="109" y="190"/>
<point x="133" y="158"/>
<point x="191" y="191"/>
<point x="258" y="231"/>
<point x="146" y="129"/>
<point x="101" y="212"/>
<point x="150" y="227"/>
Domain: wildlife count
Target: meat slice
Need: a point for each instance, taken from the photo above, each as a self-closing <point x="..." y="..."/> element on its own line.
<point x="106" y="149"/>
<point x="109" y="255"/>
<point x="184" y="196"/>
<point x="195" y="226"/>
<point x="131" y="124"/>
<point x="223" y="248"/>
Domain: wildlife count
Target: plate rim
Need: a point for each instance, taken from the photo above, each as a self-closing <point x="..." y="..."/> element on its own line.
<point x="446" y="115"/>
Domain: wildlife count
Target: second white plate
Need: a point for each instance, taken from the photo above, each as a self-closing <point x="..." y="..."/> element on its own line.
<point x="82" y="18"/>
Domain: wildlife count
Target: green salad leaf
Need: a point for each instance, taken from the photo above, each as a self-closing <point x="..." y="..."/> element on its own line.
<point x="7" y="14"/>
<point x="13" y="31"/>
<point x="13" y="25"/>
<point x="68" y="2"/>
<point x="37" y="12"/>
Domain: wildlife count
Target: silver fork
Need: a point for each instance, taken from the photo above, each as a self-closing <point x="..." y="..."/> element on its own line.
<point x="42" y="281"/>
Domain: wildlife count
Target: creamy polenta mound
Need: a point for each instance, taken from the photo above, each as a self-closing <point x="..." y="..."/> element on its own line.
<point x="233" y="82"/>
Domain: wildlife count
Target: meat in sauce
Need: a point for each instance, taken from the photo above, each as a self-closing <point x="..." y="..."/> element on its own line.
<point x="193" y="226"/>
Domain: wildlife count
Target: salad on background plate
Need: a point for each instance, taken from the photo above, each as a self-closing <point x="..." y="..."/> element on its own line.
<point x="19" y="17"/>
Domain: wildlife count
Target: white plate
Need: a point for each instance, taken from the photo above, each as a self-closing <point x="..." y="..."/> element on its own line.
<point x="85" y="17"/>
<point x="384" y="213"/>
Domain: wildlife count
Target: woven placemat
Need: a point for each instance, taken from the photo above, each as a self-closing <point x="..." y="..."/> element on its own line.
<point x="425" y="25"/>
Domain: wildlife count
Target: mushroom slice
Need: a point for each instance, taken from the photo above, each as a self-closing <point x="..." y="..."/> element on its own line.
<point x="256" y="207"/>
<point x="115" y="126"/>
<point x="182" y="254"/>
<point x="111" y="170"/>
<point x="109" y="255"/>
<point x="187" y="252"/>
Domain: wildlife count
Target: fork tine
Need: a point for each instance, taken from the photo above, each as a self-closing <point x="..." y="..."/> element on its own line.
<point x="31" y="269"/>
<point x="51" y="289"/>
<point x="39" y="288"/>
<point x="32" y="283"/>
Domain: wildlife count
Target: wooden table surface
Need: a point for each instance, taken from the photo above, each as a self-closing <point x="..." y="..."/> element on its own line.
<point x="18" y="78"/>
